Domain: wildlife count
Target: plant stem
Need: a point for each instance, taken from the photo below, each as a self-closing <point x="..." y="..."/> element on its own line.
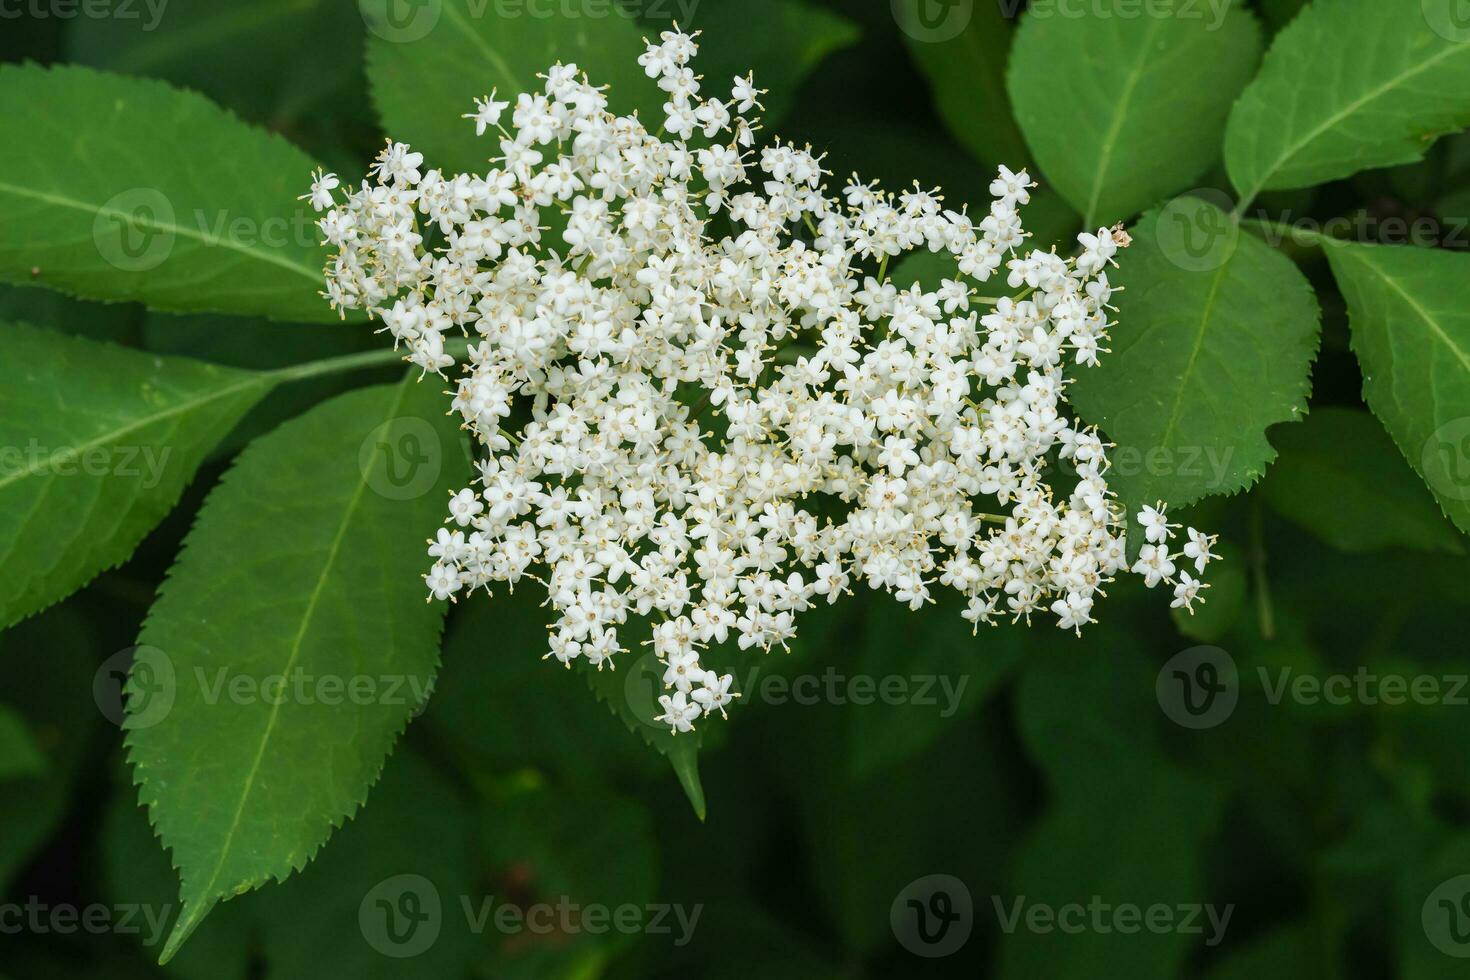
<point x="1285" y="232"/>
<point x="1265" y="613"/>
<point x="352" y="362"/>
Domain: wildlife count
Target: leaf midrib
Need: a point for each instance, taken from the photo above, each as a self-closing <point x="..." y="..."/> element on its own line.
<point x="1115" y="126"/>
<point x="270" y="257"/>
<point x="1413" y="304"/>
<point x="1199" y="341"/>
<point x="296" y="646"/>
<point x="493" y="56"/>
<point x="110" y="435"/>
<point x="1346" y="112"/>
<point x="160" y="47"/>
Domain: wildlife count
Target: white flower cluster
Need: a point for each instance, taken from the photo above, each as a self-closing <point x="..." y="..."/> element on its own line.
<point x="706" y="404"/>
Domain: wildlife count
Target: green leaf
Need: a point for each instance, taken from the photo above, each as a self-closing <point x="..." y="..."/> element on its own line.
<point x="1137" y="842"/>
<point x="426" y="70"/>
<point x="1429" y="902"/>
<point x="1126" y="824"/>
<point x="1078" y="749"/>
<point x="100" y="442"/>
<point x="1214" y="344"/>
<point x="966" y="73"/>
<point x="1349" y="85"/>
<point x="1411" y="331"/>
<point x="126" y="189"/>
<point x="265" y="345"/>
<point x="379" y="855"/>
<point x="49" y="677"/>
<point x="291" y="643"/>
<point x="1121" y="112"/>
<point x="542" y="838"/>
<point x="919" y="674"/>
<point x="781" y="41"/>
<point x="136" y="871"/>
<point x="19" y="754"/>
<point x="771" y="946"/>
<point x="848" y="826"/>
<point x="264" y="59"/>
<point x="1340" y="477"/>
<point x="120" y="323"/>
<point x="414" y="840"/>
<point x="544" y="718"/>
<point x="1279" y="13"/>
<point x="631" y="693"/>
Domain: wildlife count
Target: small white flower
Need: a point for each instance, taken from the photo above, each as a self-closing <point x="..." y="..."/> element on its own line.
<point x="487" y="113"/>
<point x="678" y="714"/>
<point x="1198" y="549"/>
<point x="1186" y="591"/>
<point x="1156" y="526"/>
<point x="465" y="506"/>
<point x="443" y="581"/>
<point x="322" y="186"/>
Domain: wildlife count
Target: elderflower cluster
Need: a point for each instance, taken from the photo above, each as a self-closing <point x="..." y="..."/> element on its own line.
<point x="697" y="398"/>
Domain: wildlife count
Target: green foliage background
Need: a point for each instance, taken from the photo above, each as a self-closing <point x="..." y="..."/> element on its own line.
<point x="1303" y="390"/>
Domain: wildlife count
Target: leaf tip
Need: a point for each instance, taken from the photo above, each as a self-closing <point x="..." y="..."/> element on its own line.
<point x="190" y="916"/>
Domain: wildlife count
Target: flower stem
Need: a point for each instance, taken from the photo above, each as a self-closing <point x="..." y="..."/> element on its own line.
<point x="353" y="362"/>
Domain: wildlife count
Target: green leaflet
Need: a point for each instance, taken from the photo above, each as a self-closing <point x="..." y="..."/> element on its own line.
<point x="1349" y="85"/>
<point x="1427" y="897"/>
<point x="120" y="323"/>
<point x="610" y="861"/>
<point x="351" y="888"/>
<point x="49" y="674"/>
<point x="1340" y="477"/>
<point x="1121" y="112"/>
<point x="19" y="754"/>
<point x="288" y="648"/>
<point x="493" y="654"/>
<point x="1288" y="951"/>
<point x="266" y="59"/>
<point x="1214" y="344"/>
<point x="1411" y="331"/>
<point x="901" y="704"/>
<point x="126" y="189"/>
<point x="1136" y="842"/>
<point x="966" y="73"/>
<point x="136" y="870"/>
<point x="416" y="839"/>
<point x="1126" y="823"/>
<point x="1279" y="13"/>
<point x="427" y="69"/>
<point x="631" y="693"/>
<point x="96" y="444"/>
